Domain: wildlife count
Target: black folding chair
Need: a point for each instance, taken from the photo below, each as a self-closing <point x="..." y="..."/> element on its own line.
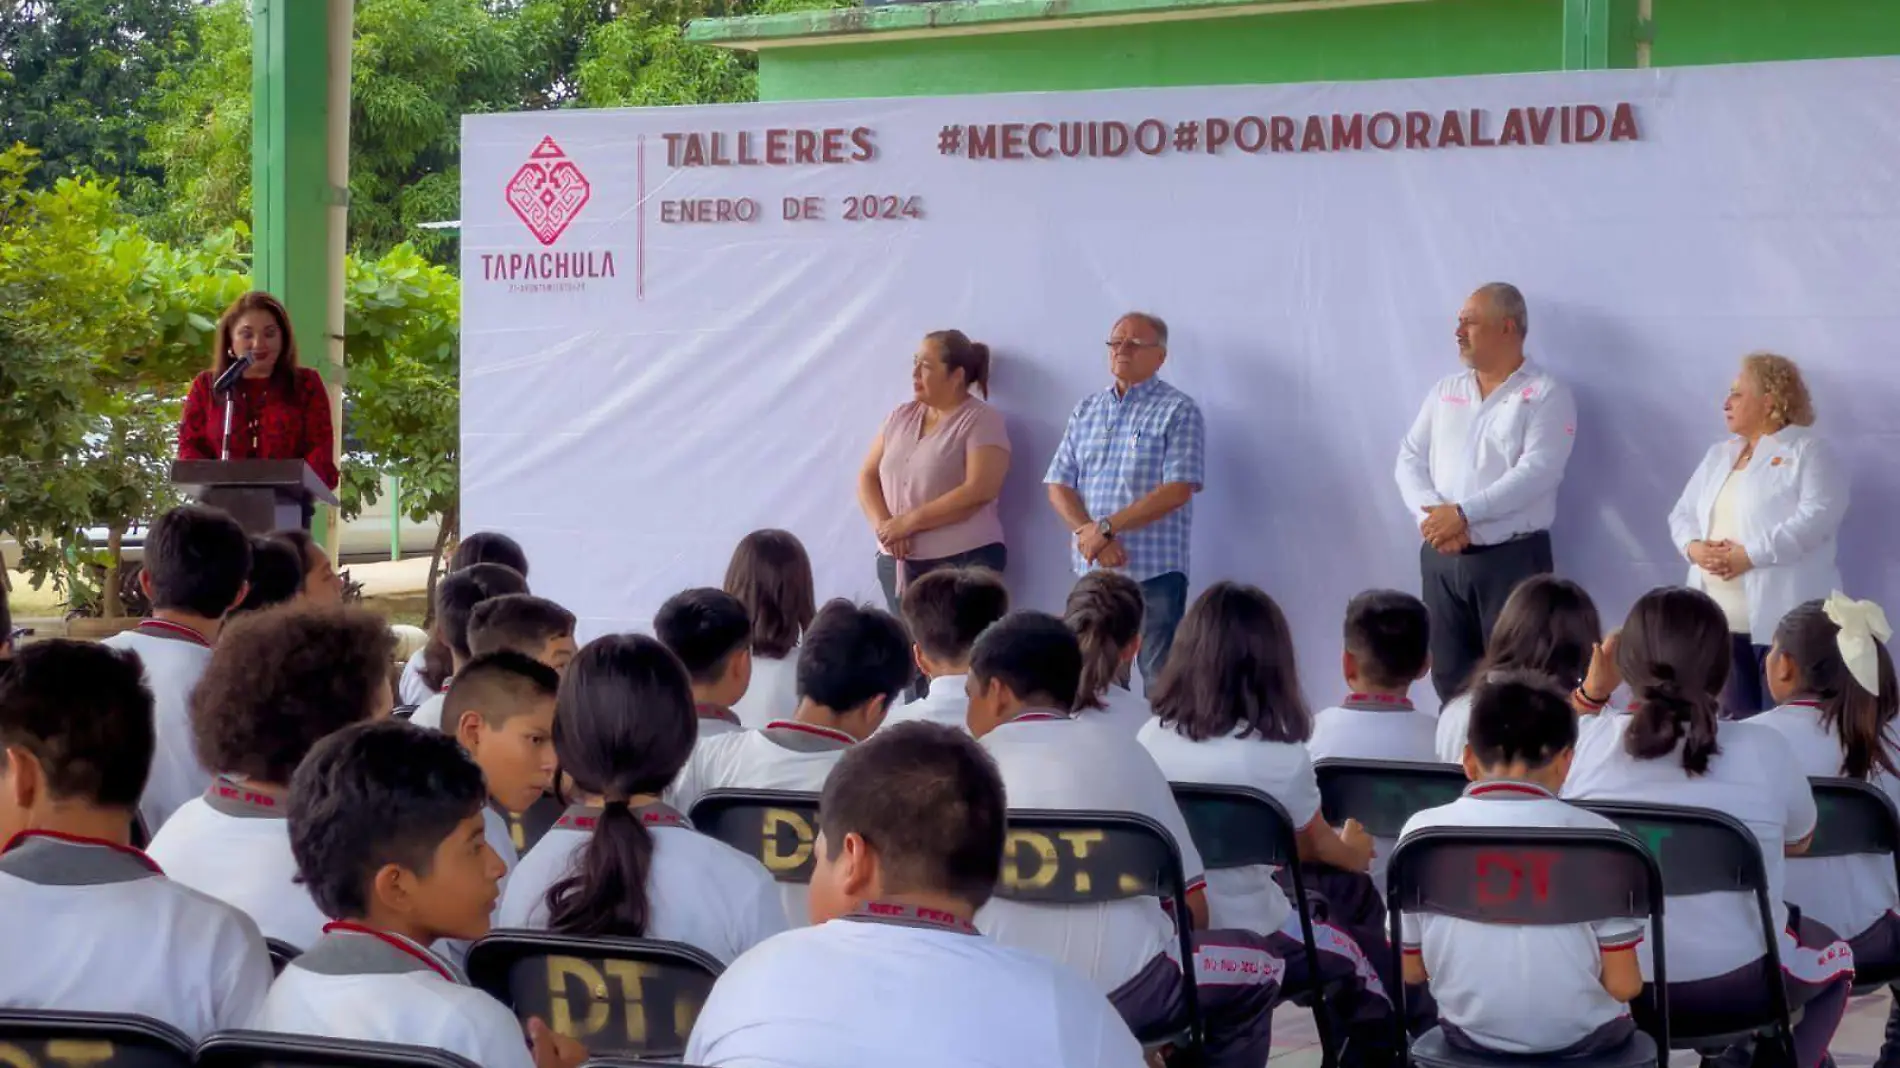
<point x="1239" y="827"/>
<point x="1857" y="818"/>
<point x="281" y="953"/>
<point x="619" y="997"/>
<point x="269" y="1049"/>
<point x="1090" y="858"/>
<point x="404" y="711"/>
<point x="35" y="1036"/>
<point x="1702" y="851"/>
<point x="778" y="827"/>
<point x="1383" y="794"/>
<point x="1528" y="876"/>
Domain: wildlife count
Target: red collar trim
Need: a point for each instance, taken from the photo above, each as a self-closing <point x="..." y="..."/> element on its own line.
<point x="811" y="728"/>
<point x="587" y="817"/>
<point x="403" y="944"/>
<point x="1381" y="702"/>
<point x="1803" y="703"/>
<point x="1039" y="714"/>
<point x="80" y="839"/>
<point x="236" y="793"/>
<point x="707" y="710"/>
<point x="1507" y="788"/>
<point x="165" y="628"/>
<point x="910" y="916"/>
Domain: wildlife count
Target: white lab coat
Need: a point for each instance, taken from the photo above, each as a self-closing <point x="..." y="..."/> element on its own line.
<point x="1788" y="505"/>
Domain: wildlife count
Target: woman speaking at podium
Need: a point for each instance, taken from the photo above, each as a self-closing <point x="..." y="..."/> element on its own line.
<point x="276" y="410"/>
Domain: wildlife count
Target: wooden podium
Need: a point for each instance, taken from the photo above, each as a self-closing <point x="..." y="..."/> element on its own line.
<point x="262" y="495"/>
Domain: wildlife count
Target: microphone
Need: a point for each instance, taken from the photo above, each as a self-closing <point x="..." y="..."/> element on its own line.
<point x="229" y="379"/>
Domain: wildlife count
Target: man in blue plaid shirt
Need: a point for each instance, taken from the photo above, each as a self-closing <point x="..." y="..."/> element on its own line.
<point x="1125" y="476"/>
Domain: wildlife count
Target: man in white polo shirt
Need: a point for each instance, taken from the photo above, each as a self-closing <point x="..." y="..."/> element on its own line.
<point x="1479" y="471"/>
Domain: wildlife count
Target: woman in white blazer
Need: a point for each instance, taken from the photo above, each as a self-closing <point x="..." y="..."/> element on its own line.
<point x="1758" y="518"/>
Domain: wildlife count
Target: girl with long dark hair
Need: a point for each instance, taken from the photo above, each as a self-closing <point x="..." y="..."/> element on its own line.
<point x="770" y="573"/>
<point x="1104" y="611"/>
<point x="1548" y="625"/>
<point x="619" y="862"/>
<point x="1672" y="748"/>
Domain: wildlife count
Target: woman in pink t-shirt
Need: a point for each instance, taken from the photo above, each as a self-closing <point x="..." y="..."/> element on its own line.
<point x="930" y="483"/>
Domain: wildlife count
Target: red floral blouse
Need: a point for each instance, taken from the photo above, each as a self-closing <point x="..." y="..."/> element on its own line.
<point x="272" y="422"/>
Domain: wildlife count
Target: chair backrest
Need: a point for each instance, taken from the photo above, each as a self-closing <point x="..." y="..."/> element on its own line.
<point x="281" y="953"/>
<point x="619" y="997"/>
<point x="1383" y="794"/>
<point x="269" y="1049"/>
<point x="1236" y="826"/>
<point x="1700" y="850"/>
<point x="33" y="1037"/>
<point x="778" y="827"/>
<point x="404" y="711"/>
<point x="1855" y="818"/>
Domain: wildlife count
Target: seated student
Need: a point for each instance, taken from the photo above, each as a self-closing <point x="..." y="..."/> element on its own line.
<point x="1229" y="711"/>
<point x="501" y="708"/>
<point x="534" y="627"/>
<point x="771" y="575"/>
<point x="1497" y="985"/>
<point x="87" y="923"/>
<point x="911" y="848"/>
<point x="386" y="825"/>
<point x="620" y="862"/>
<point x="1671" y="748"/>
<point x="1023" y="677"/>
<point x="276" y="576"/>
<point x="455" y="603"/>
<point x="1548" y="625"/>
<point x="196" y="562"/>
<point x="429" y="668"/>
<point x="709" y="632"/>
<point x="1833" y="679"/>
<point x="279" y="682"/>
<point x="945" y="611"/>
<point x="1105" y="610"/>
<point x="322" y="586"/>
<point x="851" y="666"/>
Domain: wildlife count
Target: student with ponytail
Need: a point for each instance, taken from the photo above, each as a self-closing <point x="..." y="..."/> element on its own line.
<point x="1672" y="748"/>
<point x="1833" y="679"/>
<point x="620" y="862"/>
<point x="1105" y="611"/>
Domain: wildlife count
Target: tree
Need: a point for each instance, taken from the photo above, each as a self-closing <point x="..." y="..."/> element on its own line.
<point x="76" y="78"/>
<point x="200" y="136"/>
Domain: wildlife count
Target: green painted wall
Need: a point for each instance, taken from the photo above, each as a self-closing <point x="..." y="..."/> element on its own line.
<point x="1404" y="40"/>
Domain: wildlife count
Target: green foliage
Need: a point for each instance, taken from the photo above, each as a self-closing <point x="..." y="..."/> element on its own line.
<point x="201" y="131"/>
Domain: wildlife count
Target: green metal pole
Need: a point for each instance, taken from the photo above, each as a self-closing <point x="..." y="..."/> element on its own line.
<point x="299" y="177"/>
<point x="1588" y="28"/>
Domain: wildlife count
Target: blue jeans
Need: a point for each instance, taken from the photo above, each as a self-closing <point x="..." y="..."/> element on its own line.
<point x="1164" y="598"/>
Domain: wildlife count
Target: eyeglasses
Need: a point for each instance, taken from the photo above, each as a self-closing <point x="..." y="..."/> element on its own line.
<point x="1116" y="345"/>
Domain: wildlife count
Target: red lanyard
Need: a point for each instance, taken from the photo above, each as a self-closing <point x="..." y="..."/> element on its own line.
<point x="402" y="944"/>
<point x="80" y="839"/>
<point x="165" y="628"/>
<point x="911" y="916"/>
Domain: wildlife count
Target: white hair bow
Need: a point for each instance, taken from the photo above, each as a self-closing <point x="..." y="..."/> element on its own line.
<point x="1862" y="624"/>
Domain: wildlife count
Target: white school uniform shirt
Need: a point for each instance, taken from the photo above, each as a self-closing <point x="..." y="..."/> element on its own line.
<point x="175" y="658"/>
<point x="1052" y="761"/>
<point x="945" y="997"/>
<point x="1125" y="711"/>
<point x="1789" y="502"/>
<point x="429" y="713"/>
<point x="1365" y="727"/>
<point x="1453" y="729"/>
<point x="1848" y="894"/>
<point x="945" y="704"/>
<point x="700" y="890"/>
<point x="772" y="694"/>
<point x="234" y="844"/>
<point x="1244" y="898"/>
<point x="365" y="986"/>
<point x="1754" y="779"/>
<point x="1497" y="982"/>
<point x="412" y="688"/>
<point x="89" y="926"/>
<point x="1500" y="457"/>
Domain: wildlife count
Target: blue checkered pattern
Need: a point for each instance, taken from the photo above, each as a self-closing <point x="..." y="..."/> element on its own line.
<point x="1118" y="449"/>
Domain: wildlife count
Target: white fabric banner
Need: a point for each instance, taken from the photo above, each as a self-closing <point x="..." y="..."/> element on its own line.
<point x="657" y="358"/>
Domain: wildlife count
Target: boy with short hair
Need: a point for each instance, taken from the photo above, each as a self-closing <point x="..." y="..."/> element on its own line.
<point x="710" y="632"/>
<point x="945" y="611"/>
<point x="1387" y="650"/>
<point x="386" y="825"/>
<point x="278" y="682"/>
<point x="501" y="708"/>
<point x="911" y="847"/>
<point x="455" y="603"/>
<point x="1522" y="737"/>
<point x="87" y="923"/>
<point x="481" y="547"/>
<point x="1024" y="672"/>
<point x="523" y="623"/>
<point x="197" y="561"/>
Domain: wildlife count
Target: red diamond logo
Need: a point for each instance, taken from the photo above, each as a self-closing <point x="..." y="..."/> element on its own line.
<point x="548" y="191"/>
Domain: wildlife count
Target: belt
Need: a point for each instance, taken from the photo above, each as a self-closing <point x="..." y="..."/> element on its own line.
<point x="1473" y="550"/>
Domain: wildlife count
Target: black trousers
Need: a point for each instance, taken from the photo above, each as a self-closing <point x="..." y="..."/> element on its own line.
<point x="1465" y="592"/>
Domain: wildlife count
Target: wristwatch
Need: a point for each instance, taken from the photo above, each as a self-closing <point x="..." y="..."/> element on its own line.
<point x="1105" y="528"/>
